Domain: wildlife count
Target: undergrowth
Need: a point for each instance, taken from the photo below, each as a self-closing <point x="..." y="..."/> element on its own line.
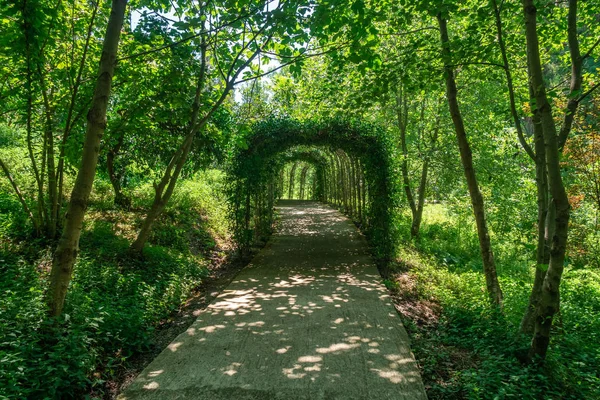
<point x="114" y="301"/>
<point x="467" y="351"/>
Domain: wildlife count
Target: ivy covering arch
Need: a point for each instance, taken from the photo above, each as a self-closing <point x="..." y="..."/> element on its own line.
<point x="353" y="169"/>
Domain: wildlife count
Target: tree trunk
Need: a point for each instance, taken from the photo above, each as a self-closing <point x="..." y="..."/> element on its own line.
<point x="353" y="186"/>
<point x="402" y="114"/>
<point x="292" y="183"/>
<point x="121" y="200"/>
<point x="509" y="82"/>
<point x="418" y="215"/>
<point x="39" y="179"/>
<point x="163" y="192"/>
<point x="52" y="213"/>
<point x="364" y="195"/>
<point x="550" y="295"/>
<point x="338" y="180"/>
<point x="359" y="183"/>
<point x="60" y="175"/>
<point x="303" y="181"/>
<point x="542" y="253"/>
<point x="19" y="195"/>
<point x="489" y="265"/>
<point x="68" y="245"/>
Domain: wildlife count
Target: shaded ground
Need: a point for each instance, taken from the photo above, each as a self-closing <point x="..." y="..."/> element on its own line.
<point x="307" y="319"/>
<point x="221" y="272"/>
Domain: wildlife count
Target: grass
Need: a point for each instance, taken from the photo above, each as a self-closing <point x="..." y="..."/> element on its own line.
<point x="465" y="350"/>
<point x="114" y="301"/>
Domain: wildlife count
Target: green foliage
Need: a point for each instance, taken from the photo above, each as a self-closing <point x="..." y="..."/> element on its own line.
<point x="256" y="167"/>
<point x="114" y="301"/>
<point x="371" y="51"/>
<point x="483" y="346"/>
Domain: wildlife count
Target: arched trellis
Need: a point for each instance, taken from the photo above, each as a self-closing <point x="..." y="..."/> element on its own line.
<point x="307" y="155"/>
<point x="343" y="153"/>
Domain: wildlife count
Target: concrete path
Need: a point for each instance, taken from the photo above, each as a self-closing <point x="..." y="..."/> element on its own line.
<point x="307" y="319"/>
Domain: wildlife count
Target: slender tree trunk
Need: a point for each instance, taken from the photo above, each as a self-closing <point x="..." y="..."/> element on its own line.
<point x="364" y="196"/>
<point x="489" y="265"/>
<point x="550" y="295"/>
<point x="121" y="200"/>
<point x="359" y="184"/>
<point x="292" y="183"/>
<point x="39" y="179"/>
<point x="68" y="245"/>
<point x="353" y="186"/>
<point x="164" y="190"/>
<point x="576" y="75"/>
<point x="402" y="114"/>
<point x="509" y="83"/>
<point x="542" y="255"/>
<point x="19" y="195"/>
<point x="542" y="251"/>
<point x="52" y="213"/>
<point x="418" y="215"/>
<point x="303" y="181"/>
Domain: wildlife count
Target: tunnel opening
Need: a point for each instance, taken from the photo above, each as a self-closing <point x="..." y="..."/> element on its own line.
<point x="344" y="164"/>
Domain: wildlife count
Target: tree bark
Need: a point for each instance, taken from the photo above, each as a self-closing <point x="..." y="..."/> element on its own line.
<point x="418" y="214"/>
<point x="121" y="200"/>
<point x="489" y="265"/>
<point x="165" y="188"/>
<point x="542" y="254"/>
<point x="68" y="245"/>
<point x="39" y="179"/>
<point x="549" y="301"/>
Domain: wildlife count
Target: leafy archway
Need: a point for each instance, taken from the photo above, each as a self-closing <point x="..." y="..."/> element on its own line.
<point x="354" y="172"/>
<point x="306" y="156"/>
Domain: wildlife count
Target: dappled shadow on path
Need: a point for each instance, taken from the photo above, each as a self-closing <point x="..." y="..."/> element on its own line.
<point x="308" y="319"/>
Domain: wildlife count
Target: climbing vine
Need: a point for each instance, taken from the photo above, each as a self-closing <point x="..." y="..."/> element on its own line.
<point x="353" y="171"/>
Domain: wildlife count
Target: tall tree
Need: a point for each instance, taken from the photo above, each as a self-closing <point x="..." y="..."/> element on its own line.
<point x="489" y="265"/>
<point x="68" y="245"/>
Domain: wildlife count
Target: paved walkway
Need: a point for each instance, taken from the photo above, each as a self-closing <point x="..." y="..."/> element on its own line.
<point x="307" y="319"/>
